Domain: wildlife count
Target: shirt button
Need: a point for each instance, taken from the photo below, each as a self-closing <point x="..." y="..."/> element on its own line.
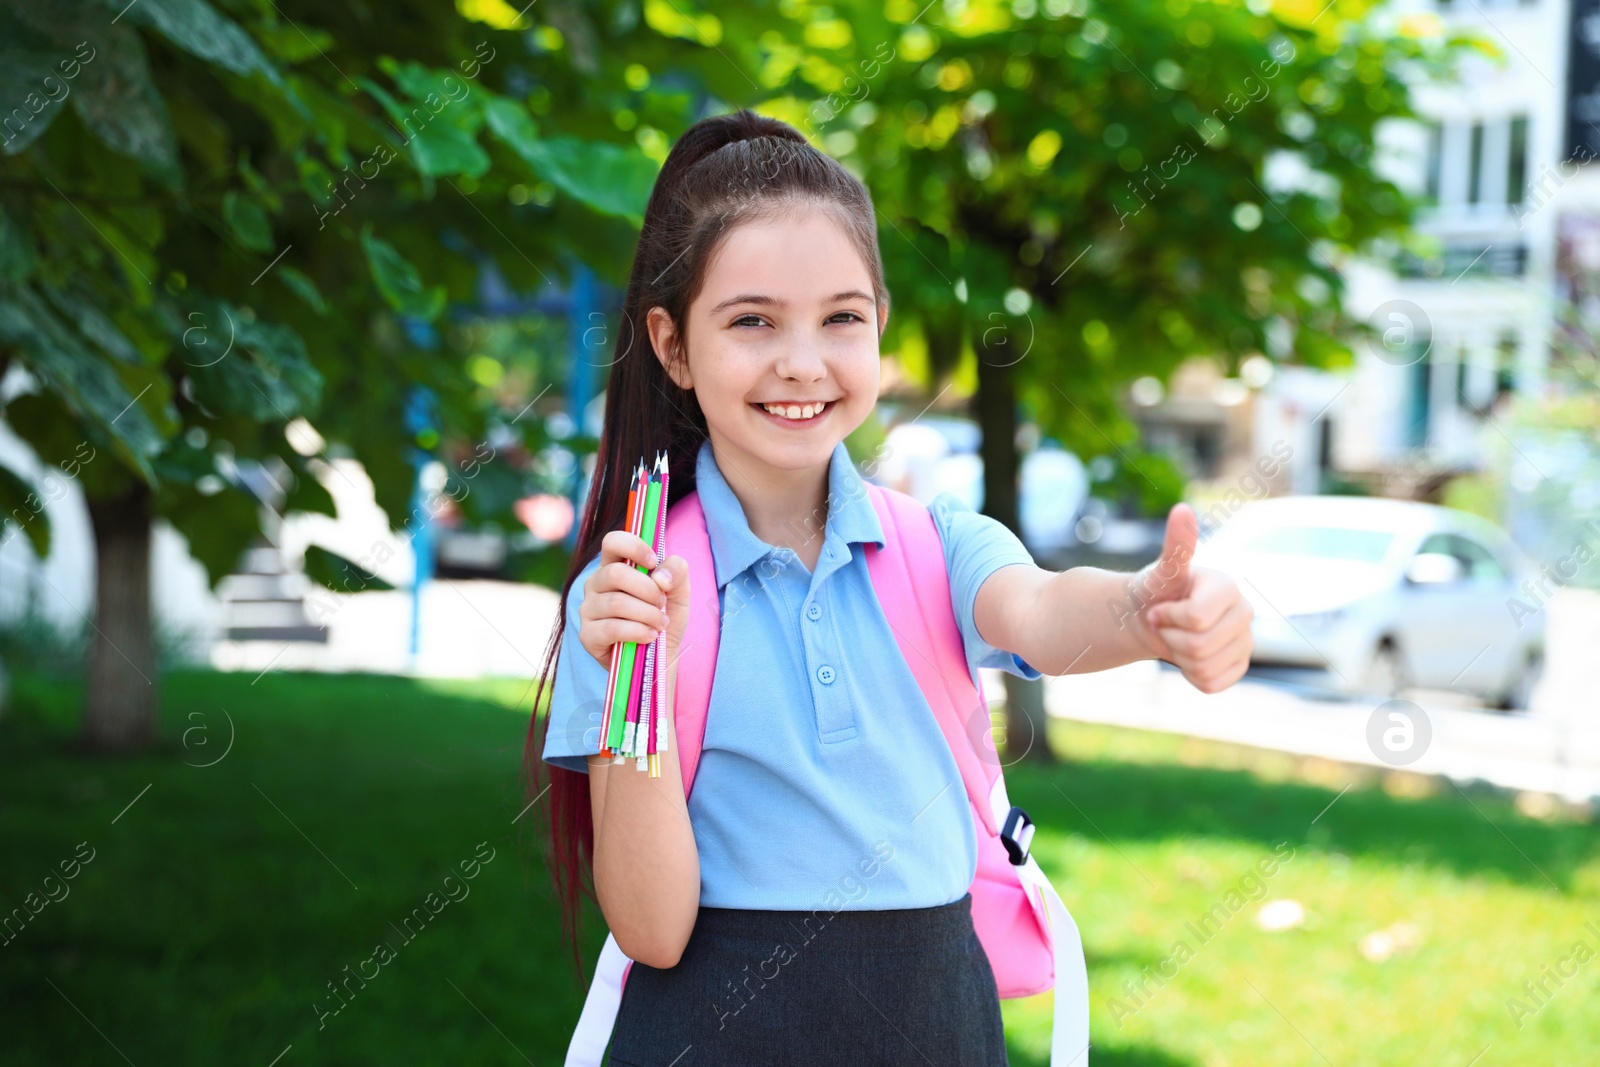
<point x="825" y="674"/>
<point x="814" y="612"/>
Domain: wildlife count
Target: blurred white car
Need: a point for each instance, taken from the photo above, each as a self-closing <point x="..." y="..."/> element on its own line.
<point x="937" y="453"/>
<point x="1385" y="594"/>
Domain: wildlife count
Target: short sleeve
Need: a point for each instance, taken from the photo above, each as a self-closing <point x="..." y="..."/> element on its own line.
<point x="577" y="696"/>
<point x="975" y="546"/>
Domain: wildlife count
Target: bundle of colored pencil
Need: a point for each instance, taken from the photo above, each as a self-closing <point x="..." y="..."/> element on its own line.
<point x="633" y="721"/>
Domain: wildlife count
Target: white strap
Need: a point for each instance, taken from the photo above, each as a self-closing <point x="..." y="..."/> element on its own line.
<point x="1069" y="1036"/>
<point x="593" y="1033"/>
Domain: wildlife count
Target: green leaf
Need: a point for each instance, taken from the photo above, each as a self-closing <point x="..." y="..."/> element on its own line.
<point x="23" y="508"/>
<point x="17" y="255"/>
<point x="289" y="113"/>
<point x="248" y="220"/>
<point x="339" y="574"/>
<point x="309" y="495"/>
<point x="294" y="43"/>
<point x="118" y="103"/>
<point x="441" y="149"/>
<point x="398" y="280"/>
<point x="303" y="287"/>
<point x="30" y="102"/>
<point x="86" y="382"/>
<point x="248" y="367"/>
<point x="613" y="179"/>
<point x="197" y="28"/>
<point x="130" y="253"/>
<point x="152" y="389"/>
<point x="185" y="464"/>
<point x="510" y="121"/>
<point x="93" y="324"/>
<point x="441" y="138"/>
<point x="452" y="90"/>
<point x="218" y="526"/>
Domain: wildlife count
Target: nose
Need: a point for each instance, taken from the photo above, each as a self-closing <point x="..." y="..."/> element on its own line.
<point x="801" y="360"/>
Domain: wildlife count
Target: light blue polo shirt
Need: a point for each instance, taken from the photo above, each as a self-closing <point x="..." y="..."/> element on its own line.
<point x="824" y="780"/>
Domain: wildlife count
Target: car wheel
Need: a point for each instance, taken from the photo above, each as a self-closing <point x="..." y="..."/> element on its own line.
<point x="1520" y="695"/>
<point x="1385" y="675"/>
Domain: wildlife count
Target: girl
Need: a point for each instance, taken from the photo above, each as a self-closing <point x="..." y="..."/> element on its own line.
<point x="749" y="349"/>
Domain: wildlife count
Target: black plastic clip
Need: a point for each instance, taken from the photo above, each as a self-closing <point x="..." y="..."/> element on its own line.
<point x="1017" y="834"/>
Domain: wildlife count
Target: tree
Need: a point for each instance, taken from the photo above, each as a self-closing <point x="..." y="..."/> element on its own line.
<point x="212" y="227"/>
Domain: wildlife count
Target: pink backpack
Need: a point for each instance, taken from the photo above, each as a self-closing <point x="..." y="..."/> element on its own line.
<point x="1026" y="931"/>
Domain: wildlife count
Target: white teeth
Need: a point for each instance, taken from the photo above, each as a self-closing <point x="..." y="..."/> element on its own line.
<point x="794" y="411"/>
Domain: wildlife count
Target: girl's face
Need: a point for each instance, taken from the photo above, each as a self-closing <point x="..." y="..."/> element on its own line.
<point x="785" y="321"/>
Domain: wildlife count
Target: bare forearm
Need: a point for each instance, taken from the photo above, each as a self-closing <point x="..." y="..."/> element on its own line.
<point x="1088" y="619"/>
<point x="1080" y="620"/>
<point x="646" y="865"/>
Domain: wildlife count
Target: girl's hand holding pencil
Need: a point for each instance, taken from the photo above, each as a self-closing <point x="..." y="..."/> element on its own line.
<point x="622" y="603"/>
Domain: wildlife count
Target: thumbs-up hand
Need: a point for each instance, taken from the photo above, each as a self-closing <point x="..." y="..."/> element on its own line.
<point x="1192" y="617"/>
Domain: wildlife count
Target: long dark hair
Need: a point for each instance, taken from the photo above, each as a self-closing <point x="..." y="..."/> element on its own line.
<point x="724" y="171"/>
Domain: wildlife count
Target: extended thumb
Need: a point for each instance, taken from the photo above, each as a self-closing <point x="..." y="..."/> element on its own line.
<point x="1169" y="575"/>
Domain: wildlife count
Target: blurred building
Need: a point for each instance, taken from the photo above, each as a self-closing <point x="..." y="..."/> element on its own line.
<point x="1463" y="318"/>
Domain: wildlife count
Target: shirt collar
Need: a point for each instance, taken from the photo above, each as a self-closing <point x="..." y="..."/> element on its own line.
<point x="851" y="517"/>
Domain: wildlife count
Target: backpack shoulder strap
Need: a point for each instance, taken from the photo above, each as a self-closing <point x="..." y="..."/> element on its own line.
<point x="697" y="655"/>
<point x="913" y="587"/>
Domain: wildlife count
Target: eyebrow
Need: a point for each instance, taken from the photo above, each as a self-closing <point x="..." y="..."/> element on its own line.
<point x="763" y="300"/>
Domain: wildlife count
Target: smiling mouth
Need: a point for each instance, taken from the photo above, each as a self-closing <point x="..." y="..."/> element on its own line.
<point x="796" y="414"/>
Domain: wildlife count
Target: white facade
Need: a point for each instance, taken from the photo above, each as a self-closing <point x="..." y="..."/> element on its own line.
<point x="1476" y="319"/>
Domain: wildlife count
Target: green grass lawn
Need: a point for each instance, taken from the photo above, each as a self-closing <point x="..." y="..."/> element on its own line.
<point x="221" y="900"/>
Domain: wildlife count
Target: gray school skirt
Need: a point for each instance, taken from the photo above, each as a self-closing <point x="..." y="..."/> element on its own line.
<point x="909" y="987"/>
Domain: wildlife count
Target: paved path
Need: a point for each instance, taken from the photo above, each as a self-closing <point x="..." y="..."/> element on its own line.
<point x="479" y="628"/>
<point x="1547" y="753"/>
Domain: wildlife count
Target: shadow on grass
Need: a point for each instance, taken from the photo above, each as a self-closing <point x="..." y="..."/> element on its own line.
<point x="1471" y="831"/>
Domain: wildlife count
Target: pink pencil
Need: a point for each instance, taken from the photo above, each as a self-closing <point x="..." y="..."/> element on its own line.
<point x="659" y="734"/>
<point x="628" y="745"/>
<point x="650" y="699"/>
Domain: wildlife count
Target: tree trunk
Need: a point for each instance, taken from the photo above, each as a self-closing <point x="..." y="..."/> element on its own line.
<point x="120" y="700"/>
<point x="1026" y="737"/>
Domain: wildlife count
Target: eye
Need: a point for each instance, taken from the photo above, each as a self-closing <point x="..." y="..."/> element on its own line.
<point x="850" y="316"/>
<point x="747" y="320"/>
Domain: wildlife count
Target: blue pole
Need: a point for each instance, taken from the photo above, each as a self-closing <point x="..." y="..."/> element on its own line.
<point x="587" y="345"/>
<point x="421" y="420"/>
<point x="422" y="549"/>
